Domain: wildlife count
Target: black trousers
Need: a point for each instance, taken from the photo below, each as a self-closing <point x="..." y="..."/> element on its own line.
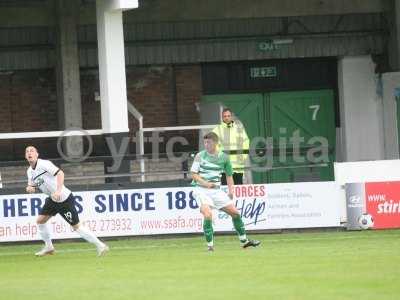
<point x="237" y="178"/>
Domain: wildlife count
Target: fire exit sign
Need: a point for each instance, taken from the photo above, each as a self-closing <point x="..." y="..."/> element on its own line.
<point x="263" y="72"/>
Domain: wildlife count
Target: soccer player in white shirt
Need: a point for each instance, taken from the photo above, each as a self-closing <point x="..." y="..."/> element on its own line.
<point x="206" y="172"/>
<point x="49" y="179"/>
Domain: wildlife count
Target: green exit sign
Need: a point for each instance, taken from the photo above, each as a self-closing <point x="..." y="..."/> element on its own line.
<point x="268" y="46"/>
<point x="263" y="72"/>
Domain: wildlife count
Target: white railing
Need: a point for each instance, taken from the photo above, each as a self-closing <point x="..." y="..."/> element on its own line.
<point x="139" y="117"/>
<point x="81" y="132"/>
<point x="48" y="134"/>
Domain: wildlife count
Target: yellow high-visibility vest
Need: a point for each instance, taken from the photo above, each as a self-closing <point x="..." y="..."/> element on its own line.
<point x="233" y="137"/>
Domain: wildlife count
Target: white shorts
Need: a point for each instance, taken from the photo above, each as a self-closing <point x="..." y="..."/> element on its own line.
<point x="214" y="198"/>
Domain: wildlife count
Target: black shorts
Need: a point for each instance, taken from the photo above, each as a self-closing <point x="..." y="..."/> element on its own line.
<point x="66" y="209"/>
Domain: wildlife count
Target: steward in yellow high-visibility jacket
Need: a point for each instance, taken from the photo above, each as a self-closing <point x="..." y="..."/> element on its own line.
<point x="232" y="136"/>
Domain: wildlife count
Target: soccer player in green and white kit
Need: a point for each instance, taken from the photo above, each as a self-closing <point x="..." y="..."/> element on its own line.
<point x="206" y="173"/>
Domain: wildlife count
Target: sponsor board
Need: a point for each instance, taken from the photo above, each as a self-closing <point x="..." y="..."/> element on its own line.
<point x="174" y="210"/>
<point x="380" y="200"/>
<point x="383" y="203"/>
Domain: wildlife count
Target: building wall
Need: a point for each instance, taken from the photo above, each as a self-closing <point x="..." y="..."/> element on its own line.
<point x="189" y="92"/>
<point x="32" y="101"/>
<point x="41" y="13"/>
<point x="164" y="95"/>
<point x="361" y="110"/>
<point x="162" y="10"/>
<point x="5" y="112"/>
<point x="390" y="82"/>
<point x="28" y="103"/>
<point x="195" y="41"/>
<point x="91" y="116"/>
<point x="173" y="33"/>
<point x="150" y="90"/>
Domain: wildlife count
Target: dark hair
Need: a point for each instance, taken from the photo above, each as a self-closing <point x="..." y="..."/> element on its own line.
<point x="32" y="147"/>
<point x="226" y="109"/>
<point x="211" y="136"/>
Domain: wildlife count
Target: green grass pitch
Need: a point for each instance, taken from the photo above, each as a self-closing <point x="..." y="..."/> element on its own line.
<point x="325" y="265"/>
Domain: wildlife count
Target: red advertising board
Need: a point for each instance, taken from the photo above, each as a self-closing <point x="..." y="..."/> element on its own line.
<point x="383" y="203"/>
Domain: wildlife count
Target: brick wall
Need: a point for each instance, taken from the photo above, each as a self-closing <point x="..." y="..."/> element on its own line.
<point x="33" y="98"/>
<point x="150" y="90"/>
<point x="28" y="103"/>
<point x="91" y="109"/>
<point x="162" y="99"/>
<point x="6" y="148"/>
<point x="160" y="94"/>
<point x="189" y="92"/>
<point x="165" y="95"/>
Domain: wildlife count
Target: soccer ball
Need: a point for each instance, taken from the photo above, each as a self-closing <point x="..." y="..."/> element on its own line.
<point x="365" y="221"/>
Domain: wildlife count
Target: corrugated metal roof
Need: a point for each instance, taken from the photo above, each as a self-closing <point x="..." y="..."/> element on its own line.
<point x="24" y="36"/>
<point x="26" y="60"/>
<point x="19" y="3"/>
<point x="205" y="41"/>
<point x="252" y="27"/>
<point x="242" y="49"/>
<point x="224" y="40"/>
<point x="248" y="49"/>
<point x="338" y="23"/>
<point x="24" y="48"/>
<point x="201" y="29"/>
<point x="167" y="31"/>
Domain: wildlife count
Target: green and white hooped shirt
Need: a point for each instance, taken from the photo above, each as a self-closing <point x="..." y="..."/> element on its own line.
<point x="210" y="166"/>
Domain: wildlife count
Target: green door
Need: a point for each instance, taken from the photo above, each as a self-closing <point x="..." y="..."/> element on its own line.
<point x="278" y="118"/>
<point x="250" y="109"/>
<point x="303" y="127"/>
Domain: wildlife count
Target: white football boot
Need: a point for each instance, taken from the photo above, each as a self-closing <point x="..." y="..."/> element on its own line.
<point x="45" y="251"/>
<point x="102" y="250"/>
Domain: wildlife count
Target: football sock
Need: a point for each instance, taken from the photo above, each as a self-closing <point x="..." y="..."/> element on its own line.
<point x="239" y="227"/>
<point x="89" y="236"/>
<point x="208" y="231"/>
<point x="45" y="235"/>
